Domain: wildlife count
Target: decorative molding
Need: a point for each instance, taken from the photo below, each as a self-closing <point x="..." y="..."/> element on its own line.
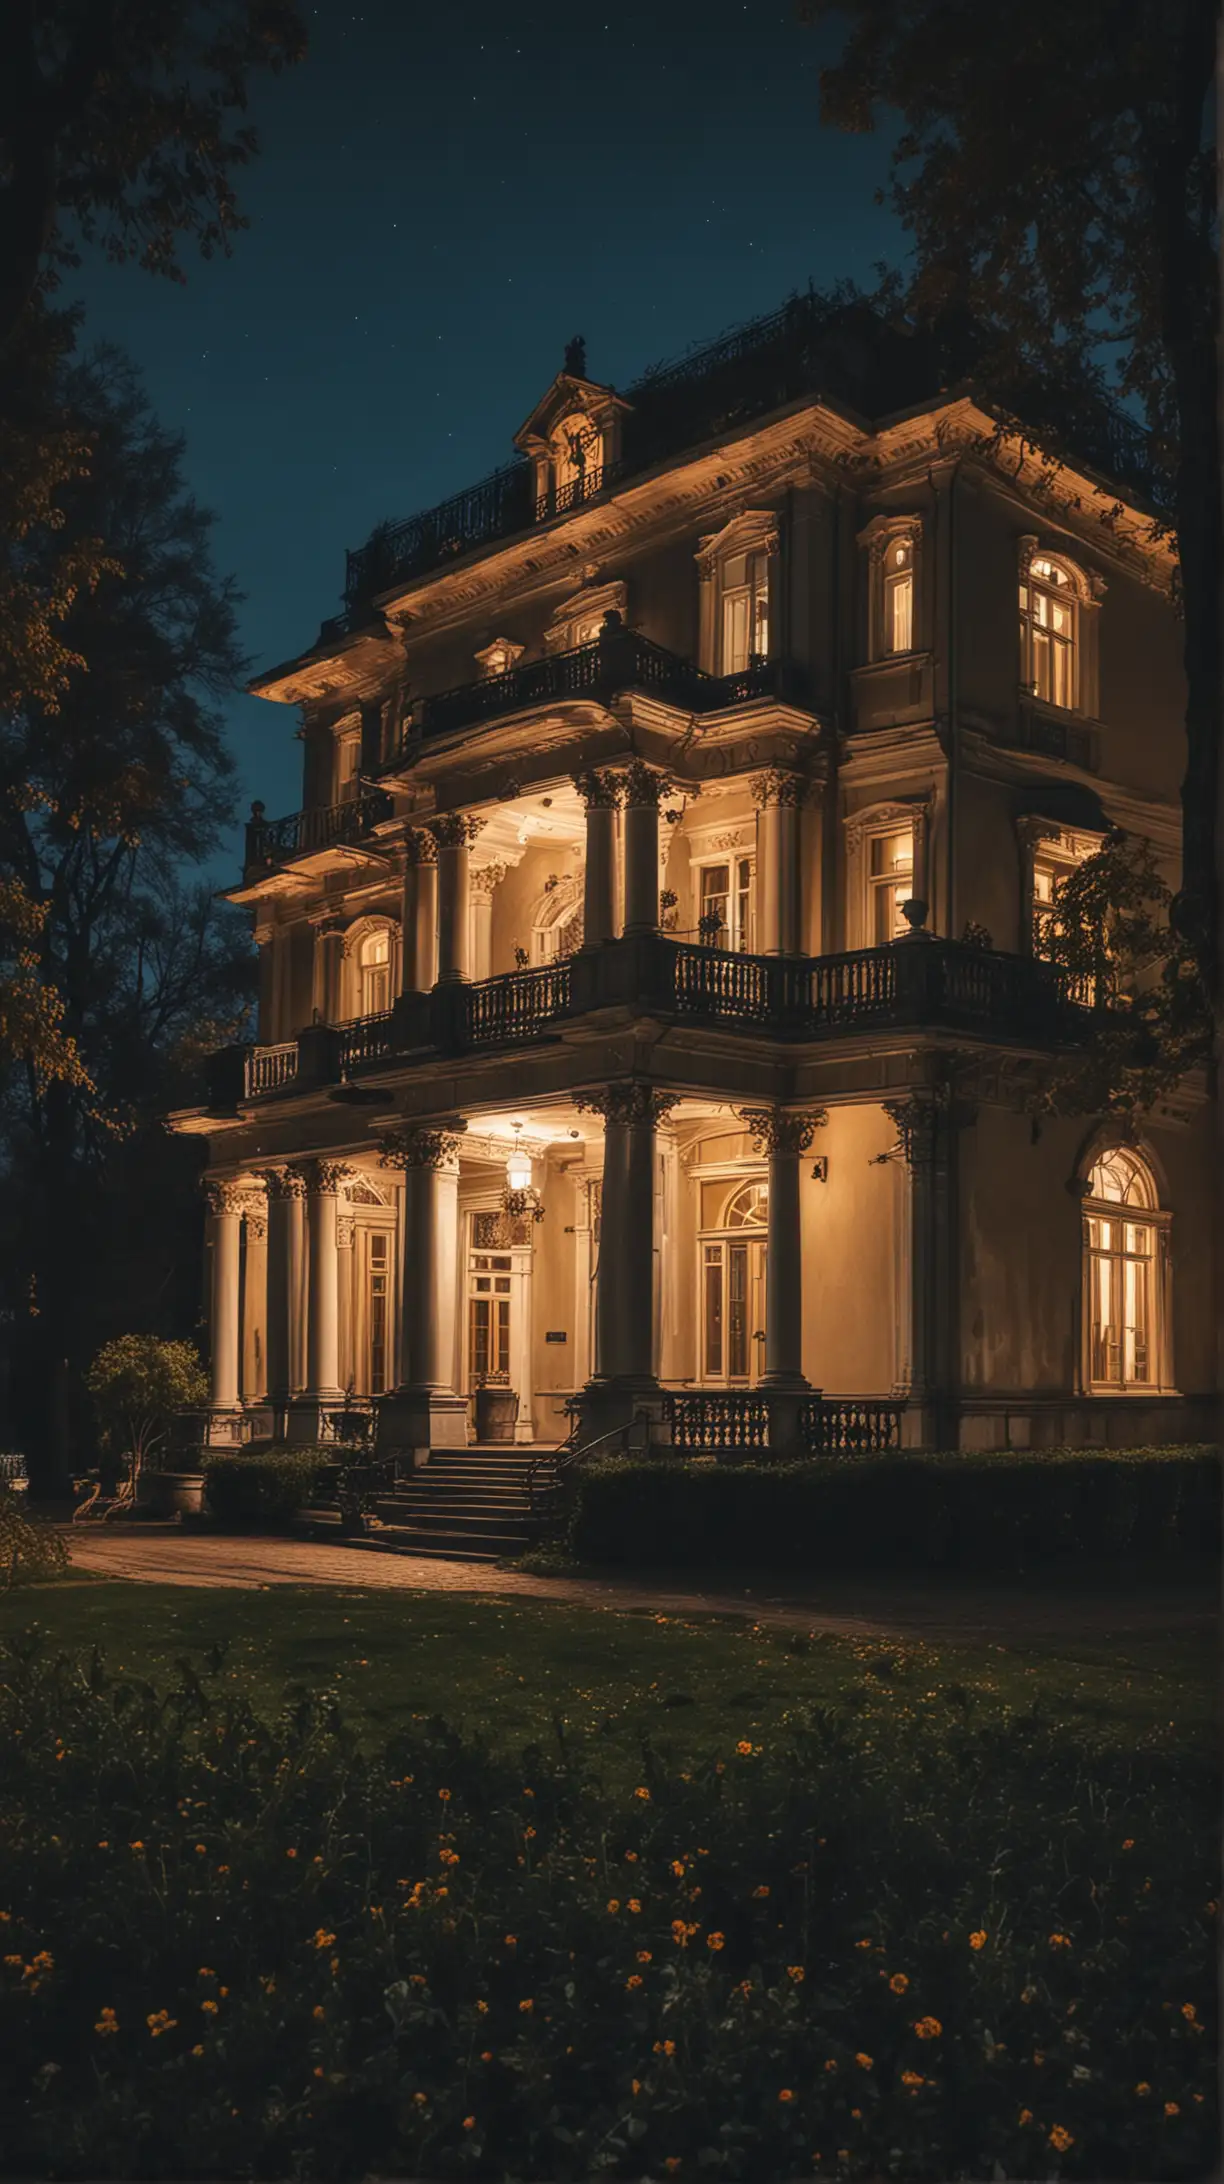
<point x="364" y="1191"/>
<point x="598" y="787"/>
<point x="498" y="657"/>
<point x="878" y="535"/>
<point x="1088" y="587"/>
<point x="782" y="1131"/>
<point x="420" y="848"/>
<point x="627" y="1103"/>
<point x="452" y="828"/>
<point x="283" y="1183"/>
<point x="256" y="1224"/>
<point x="877" y="818"/>
<point x="915" y="1117"/>
<point x="324" y="1178"/>
<point x="346" y="1229"/>
<point x="591" y="599"/>
<point x="754" y="530"/>
<point x="645" y="785"/>
<point x="369" y="921"/>
<point x="423" y="1145"/>
<point x="223" y="1197"/>
<point x="484" y="878"/>
<point x="778" y="786"/>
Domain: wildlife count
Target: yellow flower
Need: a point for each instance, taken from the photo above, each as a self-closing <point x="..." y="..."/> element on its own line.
<point x="743" y="1747"/>
<point x="323" y="1940"/>
<point x="1188" y="2011"/>
<point x="864" y="2061"/>
<point x="483" y="2008"/>
<point x="978" y="1940"/>
<point x="644" y="1794"/>
<point x="318" y="2070"/>
<point x="159" y="2021"/>
<point x="795" y="1972"/>
<point x="1061" y="2139"/>
<point x="862" y="1945"/>
<point x="209" y="2008"/>
<point x="207" y="1972"/>
<point x="1143" y="2088"/>
<point x="1025" y="2116"/>
<point x="665" y="2047"/>
<point x="761" y="1891"/>
<point x="421" y="2100"/>
<point x="469" y="2123"/>
<point x="511" y="1941"/>
<point x="634" y="1979"/>
<point x="912" y="2079"/>
<point x="830" y="2065"/>
<point x="715" y="1941"/>
<point x="633" y="1904"/>
<point x="445" y="1796"/>
<point x="1060" y="1941"/>
<point x="528" y="1833"/>
<point x="1129" y="1844"/>
<point x="1172" y="2109"/>
<point x="678" y="1868"/>
<point x="786" y="2094"/>
<point x="928" y="2028"/>
<point x="197" y="2051"/>
<point x="135" y="1846"/>
<point x="526" y="2006"/>
<point x="644" y="1956"/>
<point x="200" y="1849"/>
<point x="636" y="2086"/>
<point x="107" y="2023"/>
<point x="898" y="1982"/>
<point x="318" y="2011"/>
<point x="291" y="1854"/>
<point x="614" y="1903"/>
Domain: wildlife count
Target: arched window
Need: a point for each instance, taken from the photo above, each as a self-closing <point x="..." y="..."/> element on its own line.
<point x="1049" y="631"/>
<point x="557" y="923"/>
<point x="1124" y="1275"/>
<point x="899" y="595"/>
<point x="577" y="460"/>
<point x="732" y="1276"/>
<point x="374" y="971"/>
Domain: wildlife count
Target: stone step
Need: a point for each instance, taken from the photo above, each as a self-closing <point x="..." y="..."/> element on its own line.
<point x="431" y="1516"/>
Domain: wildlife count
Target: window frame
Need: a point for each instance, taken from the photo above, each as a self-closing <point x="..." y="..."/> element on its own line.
<point x="880" y="537"/>
<point x="1156" y="1222"/>
<point x="753" y="532"/>
<point x="353" y="987"/>
<point x="862" y="830"/>
<point x="709" y="861"/>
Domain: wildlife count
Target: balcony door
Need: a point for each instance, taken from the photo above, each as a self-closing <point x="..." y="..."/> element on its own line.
<point x="732" y="1291"/>
<point x="498" y="1308"/>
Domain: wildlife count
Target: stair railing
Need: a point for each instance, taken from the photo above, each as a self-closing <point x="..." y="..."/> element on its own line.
<point x="571" y="1452"/>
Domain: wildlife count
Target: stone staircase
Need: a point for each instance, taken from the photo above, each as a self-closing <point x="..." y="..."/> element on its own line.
<point x="467" y="1505"/>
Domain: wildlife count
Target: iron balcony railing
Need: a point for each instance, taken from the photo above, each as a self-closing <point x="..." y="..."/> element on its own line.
<point x="276" y="841"/>
<point x="620" y="659"/>
<point x="710" y="1421"/>
<point x="903" y="985"/>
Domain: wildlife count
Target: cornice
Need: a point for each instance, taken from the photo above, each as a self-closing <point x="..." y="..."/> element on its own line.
<point x="1158" y="818"/>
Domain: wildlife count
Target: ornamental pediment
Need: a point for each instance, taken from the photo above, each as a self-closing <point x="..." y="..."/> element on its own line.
<point x="569" y="397"/>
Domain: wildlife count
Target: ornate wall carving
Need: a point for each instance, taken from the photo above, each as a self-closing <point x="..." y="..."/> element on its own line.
<point x="422" y="1145"/>
<point x="775" y="1130"/>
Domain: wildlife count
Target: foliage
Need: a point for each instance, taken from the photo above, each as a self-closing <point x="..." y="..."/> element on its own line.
<point x="267" y="1489"/>
<point x="30" y="1552"/>
<point x="1151" y="1022"/>
<point x="138" y="1383"/>
<point x="120" y="126"/>
<point x="1055" y="170"/>
<point x="904" y="1941"/>
<point x="966" y="1512"/>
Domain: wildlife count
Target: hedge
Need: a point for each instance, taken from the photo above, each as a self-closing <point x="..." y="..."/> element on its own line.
<point x="964" y="1512"/>
<point x="906" y="1940"/>
<point x="267" y="1490"/>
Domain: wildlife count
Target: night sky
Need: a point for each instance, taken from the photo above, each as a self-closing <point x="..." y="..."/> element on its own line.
<point x="440" y="203"/>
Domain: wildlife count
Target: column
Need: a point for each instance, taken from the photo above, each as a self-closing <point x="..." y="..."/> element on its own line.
<point x="419" y="926"/>
<point x="224" y="1201"/>
<point x="285" y="1194"/>
<point x="624" y="1299"/>
<point x="329" y="972"/>
<point x="454" y="833"/>
<point x="324" y="1180"/>
<point x="784" y="1136"/>
<point x="424" y="1411"/>
<point x="483" y="882"/>
<point x="778" y="796"/>
<point x="643" y="788"/>
<point x="255" y="1301"/>
<point x="926" y="1123"/>
<point x="600" y="792"/>
<point x="346" y="1370"/>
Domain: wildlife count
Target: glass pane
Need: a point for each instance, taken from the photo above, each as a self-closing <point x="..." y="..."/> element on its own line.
<point x="738" y="1330"/>
<point x="713" y="1312"/>
<point x="735" y="632"/>
<point x="503" y="1337"/>
<point x="899" y="613"/>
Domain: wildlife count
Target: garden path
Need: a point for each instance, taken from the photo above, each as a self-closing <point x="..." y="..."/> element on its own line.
<point x="162" y="1555"/>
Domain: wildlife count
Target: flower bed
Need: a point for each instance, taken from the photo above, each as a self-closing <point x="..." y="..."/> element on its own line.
<point x="891" y="1947"/>
<point x="964" y="1512"/>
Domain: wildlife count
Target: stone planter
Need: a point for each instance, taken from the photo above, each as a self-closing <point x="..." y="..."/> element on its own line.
<point x="170" y="1493"/>
<point x="496" y="1414"/>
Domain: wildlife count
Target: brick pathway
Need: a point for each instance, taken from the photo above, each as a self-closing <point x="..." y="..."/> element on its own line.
<point x="162" y="1555"/>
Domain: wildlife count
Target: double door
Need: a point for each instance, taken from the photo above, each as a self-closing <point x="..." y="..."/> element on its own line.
<point x="733" y="1310"/>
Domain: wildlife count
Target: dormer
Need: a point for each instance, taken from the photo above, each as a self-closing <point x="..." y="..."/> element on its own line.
<point x="573" y="437"/>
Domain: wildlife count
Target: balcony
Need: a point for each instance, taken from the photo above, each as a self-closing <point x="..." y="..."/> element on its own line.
<point x="795" y="1000"/>
<point x="305" y="833"/>
<point x="618" y="660"/>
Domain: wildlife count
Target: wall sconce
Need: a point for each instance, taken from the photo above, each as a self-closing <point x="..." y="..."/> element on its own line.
<point x="820" y="1168"/>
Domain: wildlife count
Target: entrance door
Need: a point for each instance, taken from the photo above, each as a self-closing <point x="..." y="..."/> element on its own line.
<point x="488" y="1316"/>
<point x="733" y="1293"/>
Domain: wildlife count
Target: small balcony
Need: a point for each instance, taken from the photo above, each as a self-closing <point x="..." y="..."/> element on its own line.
<point x="793" y="1000"/>
<point x="272" y="842"/>
<point x="618" y="660"/>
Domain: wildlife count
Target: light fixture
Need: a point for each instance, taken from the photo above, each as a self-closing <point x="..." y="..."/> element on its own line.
<point x="520" y="1199"/>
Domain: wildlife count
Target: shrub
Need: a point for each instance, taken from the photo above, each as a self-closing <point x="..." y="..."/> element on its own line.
<point x="267" y="1490"/>
<point x="139" y="1383"/>
<point x="904" y="1943"/>
<point x="30" y="1552"/>
<point x="963" y="1512"/>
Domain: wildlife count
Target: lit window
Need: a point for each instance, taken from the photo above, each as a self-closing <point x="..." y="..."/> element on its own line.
<point x="1048" y="632"/>
<point x="374" y="972"/>
<point x="891" y="883"/>
<point x="726" y="914"/>
<point x="348" y="766"/>
<point x="1121" y="1273"/>
<point x="380" y="1274"/>
<point x="899" y="596"/>
<point x="577" y="460"/>
<point x="733" y="1289"/>
<point x="744" y="624"/>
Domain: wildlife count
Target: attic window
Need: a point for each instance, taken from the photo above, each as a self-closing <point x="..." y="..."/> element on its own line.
<point x="498" y="657"/>
<point x="577" y="460"/>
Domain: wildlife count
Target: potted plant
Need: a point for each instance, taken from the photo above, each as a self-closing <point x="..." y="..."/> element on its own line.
<point x="139" y="1385"/>
<point x="496" y="1408"/>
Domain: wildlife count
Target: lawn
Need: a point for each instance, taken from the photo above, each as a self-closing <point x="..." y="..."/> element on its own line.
<point x="691" y="1684"/>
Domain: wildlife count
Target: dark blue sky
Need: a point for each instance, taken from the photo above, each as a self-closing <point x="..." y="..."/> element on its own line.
<point x="440" y="203"/>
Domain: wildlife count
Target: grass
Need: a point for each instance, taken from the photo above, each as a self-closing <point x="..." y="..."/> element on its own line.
<point x="690" y="1684"/>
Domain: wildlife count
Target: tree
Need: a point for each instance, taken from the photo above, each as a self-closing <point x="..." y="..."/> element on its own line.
<point x="107" y="793"/>
<point x="121" y="126"/>
<point x="1056" y="173"/>
<point x="138" y="1383"/>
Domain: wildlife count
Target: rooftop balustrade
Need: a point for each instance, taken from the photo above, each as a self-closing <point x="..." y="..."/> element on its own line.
<point x="909" y="984"/>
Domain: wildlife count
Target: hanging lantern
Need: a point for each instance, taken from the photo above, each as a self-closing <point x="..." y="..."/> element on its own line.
<point x="519" y="1198"/>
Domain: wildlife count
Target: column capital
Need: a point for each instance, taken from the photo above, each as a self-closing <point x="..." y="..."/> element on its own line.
<point x="782" y="1130"/>
<point x="423" y="1145"/>
<point x="283" y="1183"/>
<point x="627" y="1102"/>
<point x="915" y="1117"/>
<point x="346" y="1227"/>
<point x="256" y="1225"/>
<point x="453" y="828"/>
<point x="643" y="784"/>
<point x="599" y="787"/>
<point x="420" y="847"/>
<point x="224" y="1196"/>
<point x="484" y="878"/>
<point x="778" y="785"/>
<point x="324" y="1177"/>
